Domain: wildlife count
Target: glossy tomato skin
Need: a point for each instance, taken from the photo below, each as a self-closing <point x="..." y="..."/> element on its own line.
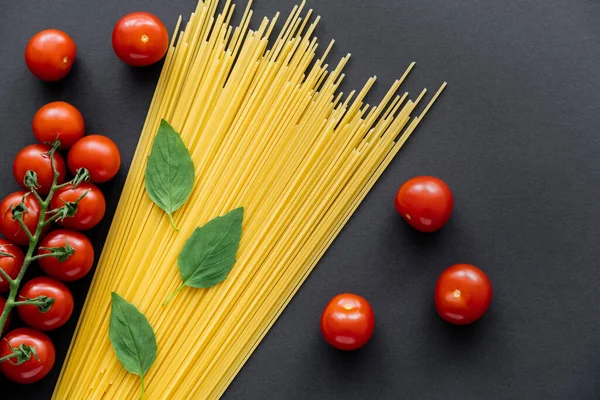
<point x="98" y="154"/>
<point x="140" y="39"/>
<point x="8" y="320"/>
<point x="77" y="265"/>
<point x="463" y="294"/>
<point x="347" y="323"/>
<point x="58" y="120"/>
<point x="90" y="210"/>
<point x="59" y="312"/>
<point x="10" y="265"/>
<point x="35" y="368"/>
<point x="425" y="202"/>
<point x="50" y="54"/>
<point x="35" y="158"/>
<point x="10" y="227"/>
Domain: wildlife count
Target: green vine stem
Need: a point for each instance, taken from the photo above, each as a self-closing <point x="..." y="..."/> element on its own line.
<point x="68" y="210"/>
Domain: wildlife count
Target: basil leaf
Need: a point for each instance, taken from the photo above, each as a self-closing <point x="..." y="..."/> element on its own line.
<point x="132" y="337"/>
<point x="210" y="253"/>
<point x="170" y="171"/>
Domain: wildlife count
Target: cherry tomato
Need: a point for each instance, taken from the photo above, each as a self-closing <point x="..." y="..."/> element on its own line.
<point x="10" y="227"/>
<point x="77" y="265"/>
<point x="7" y="323"/>
<point x="36" y="367"/>
<point x="50" y="54"/>
<point x="463" y="294"/>
<point x="140" y="39"/>
<point x="10" y="265"/>
<point x="347" y="322"/>
<point x="98" y="154"/>
<point x="90" y="210"/>
<point x="35" y="158"/>
<point x="59" y="312"/>
<point x="425" y="202"/>
<point x="58" y="120"/>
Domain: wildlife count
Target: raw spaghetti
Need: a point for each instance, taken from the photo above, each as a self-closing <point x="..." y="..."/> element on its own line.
<point x="268" y="131"/>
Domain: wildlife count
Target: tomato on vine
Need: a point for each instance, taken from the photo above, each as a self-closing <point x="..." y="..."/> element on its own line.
<point x="28" y="355"/>
<point x="50" y="54"/>
<point x="58" y="120"/>
<point x="463" y="294"/>
<point x="75" y="266"/>
<point x="140" y="39"/>
<point x="11" y="261"/>
<point x="9" y="226"/>
<point x="55" y="306"/>
<point x="35" y="158"/>
<point x="98" y="154"/>
<point x="425" y="202"/>
<point x="90" y="210"/>
<point x="347" y="323"/>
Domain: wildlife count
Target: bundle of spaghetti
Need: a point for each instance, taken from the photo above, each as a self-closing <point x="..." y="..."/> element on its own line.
<point x="267" y="130"/>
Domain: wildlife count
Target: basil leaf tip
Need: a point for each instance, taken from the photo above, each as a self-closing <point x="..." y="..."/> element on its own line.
<point x="170" y="171"/>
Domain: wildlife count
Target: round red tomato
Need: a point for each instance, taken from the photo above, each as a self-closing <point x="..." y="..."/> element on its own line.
<point x="7" y="323"/>
<point x="10" y="227"/>
<point x="425" y="202"/>
<point x="50" y="54"/>
<point x="59" y="312"/>
<point x="140" y="39"/>
<point x="347" y="322"/>
<point x="35" y="158"/>
<point x="463" y="294"/>
<point x="58" y="120"/>
<point x="98" y="154"/>
<point x="10" y="265"/>
<point x="35" y="368"/>
<point x="77" y="265"/>
<point x="90" y="209"/>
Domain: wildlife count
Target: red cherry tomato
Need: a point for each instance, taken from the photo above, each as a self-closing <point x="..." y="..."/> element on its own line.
<point x="90" y="210"/>
<point x="35" y="158"/>
<point x="77" y="265"/>
<point x="425" y="202"/>
<point x="347" y="322"/>
<point x="98" y="154"/>
<point x="58" y="120"/>
<point x="140" y="39"/>
<point x="7" y="323"/>
<point x="33" y="369"/>
<point x="50" y="54"/>
<point x="59" y="312"/>
<point x="10" y="265"/>
<point x="463" y="294"/>
<point x="10" y="227"/>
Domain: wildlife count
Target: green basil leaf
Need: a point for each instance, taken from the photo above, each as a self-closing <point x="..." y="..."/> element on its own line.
<point x="210" y="253"/>
<point x="170" y="171"/>
<point x="132" y="337"/>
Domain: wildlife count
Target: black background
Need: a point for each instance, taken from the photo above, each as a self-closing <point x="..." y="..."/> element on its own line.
<point x="515" y="135"/>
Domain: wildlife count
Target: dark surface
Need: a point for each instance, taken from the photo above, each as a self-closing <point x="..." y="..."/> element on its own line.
<point x="515" y="136"/>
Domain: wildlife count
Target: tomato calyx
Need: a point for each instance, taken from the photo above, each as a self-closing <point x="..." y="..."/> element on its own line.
<point x="43" y="303"/>
<point x="62" y="254"/>
<point x="82" y="175"/>
<point x="69" y="209"/>
<point x="23" y="353"/>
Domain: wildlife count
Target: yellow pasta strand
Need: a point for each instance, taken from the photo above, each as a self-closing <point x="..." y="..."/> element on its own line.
<point x="267" y="130"/>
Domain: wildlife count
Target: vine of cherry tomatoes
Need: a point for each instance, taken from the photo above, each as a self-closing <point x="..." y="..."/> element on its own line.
<point x="53" y="301"/>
